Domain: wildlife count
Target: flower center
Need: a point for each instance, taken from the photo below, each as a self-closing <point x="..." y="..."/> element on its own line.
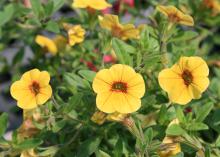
<point x="174" y="18"/>
<point x="119" y="87"/>
<point x="187" y="77"/>
<point x="35" y="88"/>
<point x="116" y="31"/>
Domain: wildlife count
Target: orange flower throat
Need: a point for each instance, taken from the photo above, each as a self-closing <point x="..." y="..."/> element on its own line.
<point x="174" y="17"/>
<point x="119" y="87"/>
<point x="187" y="77"/>
<point x="35" y="88"/>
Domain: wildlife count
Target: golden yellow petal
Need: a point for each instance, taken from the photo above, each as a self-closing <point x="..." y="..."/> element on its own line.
<point x="128" y="74"/>
<point x="116" y="71"/>
<point x="44" y="95"/>
<point x="194" y="91"/>
<point x="98" y="4"/>
<point x="201" y="83"/>
<point x="109" y="21"/>
<point x="102" y="81"/>
<point x="126" y="103"/>
<point x="19" y="89"/>
<point x="180" y="95"/>
<point x="129" y="32"/>
<point x="44" y="78"/>
<point x="105" y="102"/>
<point x="47" y="43"/>
<point x="137" y="90"/>
<point x="34" y="74"/>
<point x="27" y="102"/>
<point x="187" y="20"/>
<point x="80" y="3"/>
<point x="199" y="68"/>
<point x="166" y="10"/>
<point x="168" y="79"/>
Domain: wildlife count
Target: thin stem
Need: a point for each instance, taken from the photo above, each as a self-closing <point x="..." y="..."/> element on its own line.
<point x="56" y="105"/>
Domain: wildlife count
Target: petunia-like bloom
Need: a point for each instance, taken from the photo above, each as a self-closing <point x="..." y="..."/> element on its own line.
<point x="170" y="144"/>
<point x="47" y="44"/>
<point x="185" y="80"/>
<point x="118" y="89"/>
<point x="75" y="33"/>
<point x="94" y="4"/>
<point x="175" y="15"/>
<point x="122" y="31"/>
<point x="32" y="89"/>
<point x="214" y="5"/>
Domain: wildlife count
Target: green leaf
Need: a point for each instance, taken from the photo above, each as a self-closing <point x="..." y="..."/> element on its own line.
<point x="88" y="147"/>
<point x="217" y="142"/>
<point x="87" y="74"/>
<point x="175" y="130"/>
<point x="57" y="126"/>
<point x="57" y="4"/>
<point x="183" y="36"/>
<point x="194" y="126"/>
<point x="162" y="116"/>
<point x="118" y="148"/>
<point x="122" y="51"/>
<point x="148" y="135"/>
<point x="49" y="151"/>
<point x="101" y="153"/>
<point x="203" y="111"/>
<point x="180" y="114"/>
<point x="28" y="144"/>
<point x="37" y="7"/>
<point x="18" y="57"/>
<point x="53" y="27"/>
<point x="74" y="100"/>
<point x="3" y="123"/>
<point x="7" y="14"/>
<point x="49" y="8"/>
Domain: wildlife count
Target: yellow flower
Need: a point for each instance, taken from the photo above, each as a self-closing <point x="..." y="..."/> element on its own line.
<point x="98" y="117"/>
<point x="75" y="33"/>
<point x="47" y="44"/>
<point x="175" y="15"/>
<point x="170" y="147"/>
<point x="185" y="80"/>
<point x="117" y="117"/>
<point x="28" y="153"/>
<point x="60" y="41"/>
<point x="32" y="89"/>
<point x="214" y="5"/>
<point x="122" y="31"/>
<point x="118" y="89"/>
<point x="94" y="4"/>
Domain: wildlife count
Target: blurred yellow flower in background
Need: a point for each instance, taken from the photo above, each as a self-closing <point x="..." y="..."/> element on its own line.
<point x="75" y="33"/>
<point x="122" y="31"/>
<point x="94" y="4"/>
<point x="185" y="80"/>
<point x="117" y="117"/>
<point x="28" y="153"/>
<point x="32" y="89"/>
<point x="214" y="5"/>
<point x="175" y="15"/>
<point x="47" y="44"/>
<point x="118" y="89"/>
<point x="98" y="117"/>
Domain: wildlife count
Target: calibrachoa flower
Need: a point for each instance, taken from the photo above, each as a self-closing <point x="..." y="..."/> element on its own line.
<point x="185" y="80"/>
<point x="214" y="5"/>
<point x="47" y="44"/>
<point x="75" y="33"/>
<point x="122" y="31"/>
<point x="118" y="89"/>
<point x="94" y="4"/>
<point x="32" y="89"/>
<point x="175" y="15"/>
<point x="170" y="146"/>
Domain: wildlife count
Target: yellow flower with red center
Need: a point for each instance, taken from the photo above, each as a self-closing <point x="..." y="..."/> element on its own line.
<point x="122" y="31"/>
<point x="185" y="80"/>
<point x="175" y="15"/>
<point x="28" y="153"/>
<point x="118" y="89"/>
<point x="75" y="33"/>
<point x="94" y="4"/>
<point x="214" y="5"/>
<point x="32" y="89"/>
<point x="47" y="44"/>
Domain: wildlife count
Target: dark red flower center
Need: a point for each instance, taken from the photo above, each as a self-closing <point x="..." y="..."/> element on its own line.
<point x="35" y="87"/>
<point x="187" y="77"/>
<point x="119" y="87"/>
<point x="174" y="17"/>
